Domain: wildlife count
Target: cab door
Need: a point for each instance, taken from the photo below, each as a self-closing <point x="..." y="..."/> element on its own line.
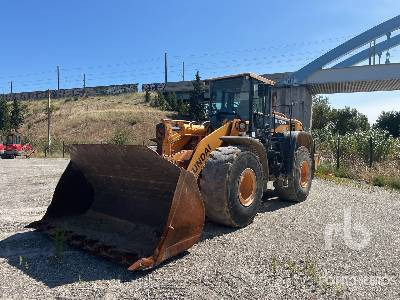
<point x="261" y="109"/>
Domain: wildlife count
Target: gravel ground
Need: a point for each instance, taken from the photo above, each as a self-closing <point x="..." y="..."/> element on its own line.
<point x="288" y="252"/>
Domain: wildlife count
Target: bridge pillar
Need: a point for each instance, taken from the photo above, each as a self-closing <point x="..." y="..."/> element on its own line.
<point x="302" y="103"/>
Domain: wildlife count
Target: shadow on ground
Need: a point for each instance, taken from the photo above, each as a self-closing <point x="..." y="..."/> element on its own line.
<point x="33" y="254"/>
<point x="270" y="203"/>
<point x="74" y="266"/>
<point x="38" y="262"/>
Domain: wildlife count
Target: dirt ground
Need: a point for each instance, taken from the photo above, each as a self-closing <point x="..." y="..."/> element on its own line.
<point x="342" y="242"/>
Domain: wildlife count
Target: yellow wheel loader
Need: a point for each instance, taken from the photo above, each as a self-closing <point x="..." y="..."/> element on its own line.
<point x="142" y="205"/>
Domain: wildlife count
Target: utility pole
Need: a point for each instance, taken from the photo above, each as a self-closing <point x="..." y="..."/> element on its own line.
<point x="183" y="71"/>
<point x="58" y="78"/>
<point x="11" y="91"/>
<point x="48" y="122"/>
<point x="84" y="80"/>
<point x="165" y="68"/>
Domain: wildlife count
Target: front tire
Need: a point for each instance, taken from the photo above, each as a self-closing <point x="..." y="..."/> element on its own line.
<point x="231" y="184"/>
<point x="299" y="180"/>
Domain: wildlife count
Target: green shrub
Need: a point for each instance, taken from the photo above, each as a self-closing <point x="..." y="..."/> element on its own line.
<point x="378" y="181"/>
<point x="394" y="183"/>
<point x="382" y="181"/>
<point x="171" y="101"/>
<point x="357" y="144"/>
<point x="343" y="172"/>
<point x="160" y="101"/>
<point x="331" y="170"/>
<point x="120" y="138"/>
<point x="147" y="96"/>
<point x="183" y="107"/>
<point x="383" y="144"/>
<point x="325" y="169"/>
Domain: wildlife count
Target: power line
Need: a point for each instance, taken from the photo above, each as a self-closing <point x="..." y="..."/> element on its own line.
<point x="154" y="59"/>
<point x="203" y="64"/>
<point x="209" y="67"/>
<point x="274" y="47"/>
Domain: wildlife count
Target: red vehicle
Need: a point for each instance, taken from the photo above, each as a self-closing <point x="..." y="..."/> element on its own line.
<point x="1" y="146"/>
<point x="14" y="148"/>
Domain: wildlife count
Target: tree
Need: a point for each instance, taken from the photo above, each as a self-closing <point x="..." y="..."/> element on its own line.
<point x="321" y="112"/>
<point x="172" y="102"/>
<point x="4" y="115"/>
<point x="343" y="120"/>
<point x="182" y="107"/>
<point x="147" y="96"/>
<point x="389" y="121"/>
<point x="348" y="120"/>
<point x="160" y="101"/>
<point x="196" y="103"/>
<point x="17" y="114"/>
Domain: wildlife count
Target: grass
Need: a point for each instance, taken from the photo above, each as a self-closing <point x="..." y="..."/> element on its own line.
<point x="329" y="170"/>
<point x="345" y="175"/>
<point x="274" y="264"/>
<point x="23" y="263"/>
<point x="384" y="181"/>
<point x="307" y="274"/>
<point x="126" y="118"/>
<point x="59" y="244"/>
<point x="379" y="181"/>
<point x="120" y="138"/>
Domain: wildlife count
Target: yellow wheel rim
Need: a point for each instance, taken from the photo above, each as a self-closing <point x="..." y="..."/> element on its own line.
<point x="247" y="187"/>
<point x="304" y="174"/>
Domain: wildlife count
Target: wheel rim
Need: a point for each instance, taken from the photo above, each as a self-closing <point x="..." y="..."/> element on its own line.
<point x="247" y="187"/>
<point x="304" y="174"/>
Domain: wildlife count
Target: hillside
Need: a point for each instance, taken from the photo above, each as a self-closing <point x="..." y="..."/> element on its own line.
<point x="98" y="119"/>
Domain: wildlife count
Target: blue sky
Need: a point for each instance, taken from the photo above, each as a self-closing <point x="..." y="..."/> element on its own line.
<point x="124" y="41"/>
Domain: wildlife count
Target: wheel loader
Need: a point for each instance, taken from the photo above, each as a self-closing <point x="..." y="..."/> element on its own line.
<point x="142" y="205"/>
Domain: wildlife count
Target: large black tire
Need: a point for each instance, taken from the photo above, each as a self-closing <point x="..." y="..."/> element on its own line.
<point x="223" y="184"/>
<point x="298" y="186"/>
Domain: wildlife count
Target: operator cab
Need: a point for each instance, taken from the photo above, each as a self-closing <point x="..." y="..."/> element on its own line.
<point x="246" y="96"/>
<point x="13" y="139"/>
<point x="249" y="97"/>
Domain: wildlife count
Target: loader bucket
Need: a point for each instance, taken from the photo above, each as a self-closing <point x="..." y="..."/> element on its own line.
<point x="126" y="203"/>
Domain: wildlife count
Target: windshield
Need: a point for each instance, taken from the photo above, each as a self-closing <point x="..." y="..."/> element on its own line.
<point x="12" y="139"/>
<point x="230" y="97"/>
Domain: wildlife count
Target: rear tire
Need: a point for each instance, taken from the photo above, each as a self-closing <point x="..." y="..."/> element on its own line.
<point x="231" y="184"/>
<point x="299" y="181"/>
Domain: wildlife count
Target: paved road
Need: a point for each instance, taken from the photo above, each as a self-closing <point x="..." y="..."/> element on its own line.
<point x="343" y="242"/>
